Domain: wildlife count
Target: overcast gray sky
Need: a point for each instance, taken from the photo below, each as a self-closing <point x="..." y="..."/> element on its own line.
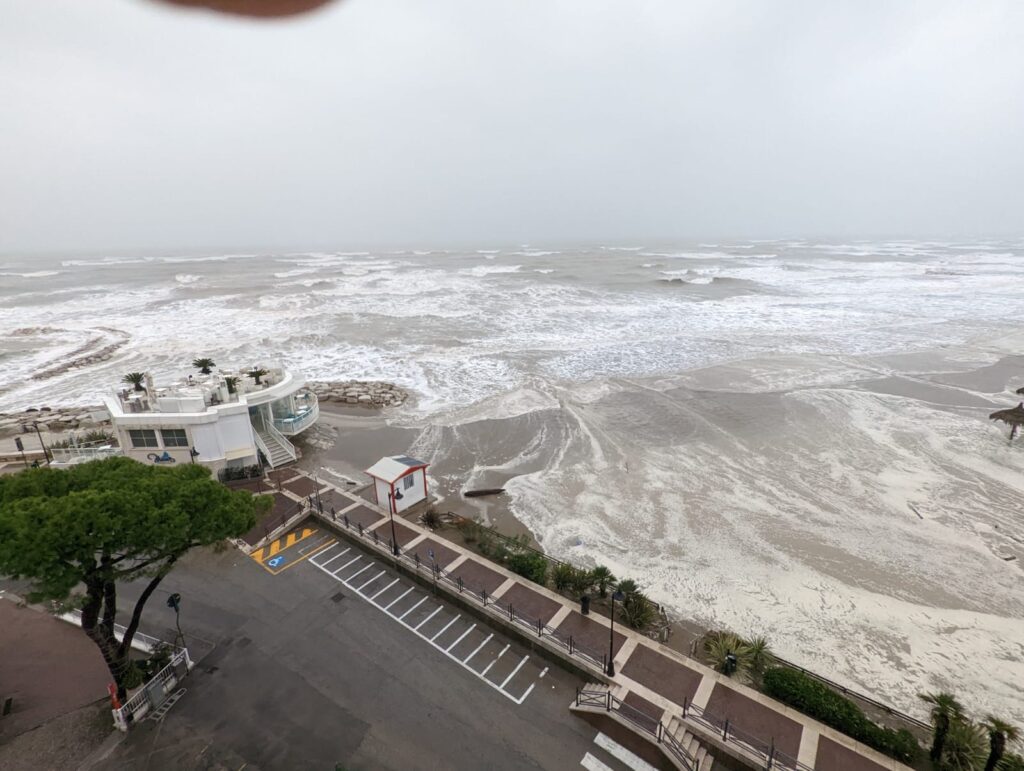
<point x="130" y="125"/>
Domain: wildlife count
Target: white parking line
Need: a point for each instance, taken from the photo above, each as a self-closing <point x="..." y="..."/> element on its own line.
<point x="412" y="608"/>
<point x="335" y="573"/>
<point x="358" y="572"/>
<point x="591" y="763"/>
<point x="488" y="667"/>
<point x="360" y="589"/>
<point x="378" y="594"/>
<point x="415" y="630"/>
<point x="325" y="564"/>
<point x="439" y="609"/>
<point x="395" y="600"/>
<point x="445" y="628"/>
<point x="513" y="672"/>
<point x="461" y="638"/>
<point x="481" y="645"/>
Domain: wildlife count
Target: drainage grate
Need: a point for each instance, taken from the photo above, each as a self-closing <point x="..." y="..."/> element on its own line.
<point x="338" y="597"/>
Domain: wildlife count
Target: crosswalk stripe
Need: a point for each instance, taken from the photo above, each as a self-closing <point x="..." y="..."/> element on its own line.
<point x="619" y="752"/>
<point x="591" y="763"/>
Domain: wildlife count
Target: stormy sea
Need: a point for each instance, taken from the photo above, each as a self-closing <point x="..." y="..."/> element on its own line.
<point x="778" y="437"/>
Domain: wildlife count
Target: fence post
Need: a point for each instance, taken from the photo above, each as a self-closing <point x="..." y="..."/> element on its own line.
<point x="540" y="628"/>
<point x="725" y="730"/>
<point x="483" y="596"/>
<point x="657" y="733"/>
<point x="348" y="525"/>
<point x="608" y="700"/>
<point x="360" y="529"/>
<point x="686" y="703"/>
<point x="376" y="538"/>
<point x="511" y="613"/>
<point x="571" y="643"/>
<point x="771" y="755"/>
<point x="460" y="584"/>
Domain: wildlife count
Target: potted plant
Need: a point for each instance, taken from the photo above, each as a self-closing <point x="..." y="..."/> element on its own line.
<point x="256" y="373"/>
<point x="232" y="383"/>
<point x="135" y="379"/>
<point x="203" y="365"/>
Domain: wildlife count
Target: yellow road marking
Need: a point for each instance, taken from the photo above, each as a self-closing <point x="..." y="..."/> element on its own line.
<point x="275" y="547"/>
<point x="265" y="553"/>
<point x="317" y="550"/>
<point x="257" y="555"/>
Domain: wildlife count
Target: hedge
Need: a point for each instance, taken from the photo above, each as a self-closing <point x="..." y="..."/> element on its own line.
<point x="817" y="700"/>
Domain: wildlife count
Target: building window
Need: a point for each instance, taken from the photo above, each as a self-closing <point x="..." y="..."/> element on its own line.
<point x="174" y="437"/>
<point x="143" y="437"/>
<point x="407" y="482"/>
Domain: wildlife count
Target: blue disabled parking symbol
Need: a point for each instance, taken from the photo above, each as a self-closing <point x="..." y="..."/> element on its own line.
<point x="275" y="561"/>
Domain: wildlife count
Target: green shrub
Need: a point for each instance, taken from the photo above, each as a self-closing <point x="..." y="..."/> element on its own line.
<point x="638" y="611"/>
<point x="817" y="700"/>
<point x="562" y="576"/>
<point x="581" y="581"/>
<point x="529" y="565"/>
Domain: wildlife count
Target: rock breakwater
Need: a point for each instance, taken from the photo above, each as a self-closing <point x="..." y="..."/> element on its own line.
<point x="360" y="393"/>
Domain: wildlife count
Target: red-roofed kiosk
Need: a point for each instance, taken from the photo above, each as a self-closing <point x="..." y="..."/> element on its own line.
<point x="399" y="482"/>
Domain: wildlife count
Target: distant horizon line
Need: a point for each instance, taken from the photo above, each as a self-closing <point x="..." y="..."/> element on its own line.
<point x="563" y="244"/>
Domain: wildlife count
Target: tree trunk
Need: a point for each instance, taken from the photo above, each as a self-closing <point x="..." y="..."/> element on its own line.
<point x="133" y="625"/>
<point x="997" y="743"/>
<point x="97" y="591"/>
<point x="941" y="728"/>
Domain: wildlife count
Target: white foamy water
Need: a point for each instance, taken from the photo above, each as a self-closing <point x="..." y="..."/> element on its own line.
<point x="745" y="428"/>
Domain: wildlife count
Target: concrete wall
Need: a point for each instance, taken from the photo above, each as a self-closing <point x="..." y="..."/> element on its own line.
<point x="412" y="495"/>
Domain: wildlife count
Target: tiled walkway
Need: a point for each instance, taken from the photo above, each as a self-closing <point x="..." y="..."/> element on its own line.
<point x="650" y="677"/>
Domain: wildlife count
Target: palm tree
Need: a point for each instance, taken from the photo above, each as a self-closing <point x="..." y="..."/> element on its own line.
<point x="760" y="655"/>
<point x="203" y="365"/>
<point x="603" y="578"/>
<point x="964" y="748"/>
<point x="628" y="587"/>
<point x="945" y="711"/>
<point x="999" y="733"/>
<point x="637" y="610"/>
<point x="728" y="653"/>
<point x="231" y="382"/>
<point x="256" y="373"/>
<point x="135" y="379"/>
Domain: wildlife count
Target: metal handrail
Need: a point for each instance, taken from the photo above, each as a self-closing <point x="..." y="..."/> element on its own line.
<point x="637" y="717"/>
<point x="774" y="758"/>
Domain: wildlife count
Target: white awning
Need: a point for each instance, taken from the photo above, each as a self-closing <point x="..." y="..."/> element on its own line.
<point x="397" y="466"/>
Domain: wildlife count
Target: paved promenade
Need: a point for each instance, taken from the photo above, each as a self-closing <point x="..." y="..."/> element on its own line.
<point x="660" y="682"/>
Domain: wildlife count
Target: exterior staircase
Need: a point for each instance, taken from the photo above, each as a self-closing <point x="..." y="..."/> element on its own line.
<point x="693" y="746"/>
<point x="279" y="451"/>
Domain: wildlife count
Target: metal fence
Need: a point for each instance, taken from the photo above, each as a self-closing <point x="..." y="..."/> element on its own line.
<point x="638" y="720"/>
<point x="730" y="732"/>
<point x="155" y="692"/>
<point x="586" y="654"/>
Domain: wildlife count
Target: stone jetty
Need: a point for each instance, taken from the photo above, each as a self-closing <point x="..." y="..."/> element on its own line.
<point x="360" y="393"/>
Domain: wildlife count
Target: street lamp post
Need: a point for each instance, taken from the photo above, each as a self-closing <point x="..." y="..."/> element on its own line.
<point x="38" y="434"/>
<point x="174" y="601"/>
<point x="616" y="595"/>
<point x="392" y="497"/>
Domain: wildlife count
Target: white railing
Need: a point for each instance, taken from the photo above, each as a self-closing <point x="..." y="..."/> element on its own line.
<point x="153" y="693"/>
<point x="281" y="439"/>
<point x="305" y="416"/>
<point x="71" y="455"/>
<point x="140" y="641"/>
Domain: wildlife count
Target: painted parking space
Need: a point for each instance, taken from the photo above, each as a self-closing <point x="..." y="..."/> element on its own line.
<point x="292" y="548"/>
<point x="461" y="638"/>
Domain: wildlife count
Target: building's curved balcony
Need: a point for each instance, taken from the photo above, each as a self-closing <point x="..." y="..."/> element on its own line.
<point x="306" y="412"/>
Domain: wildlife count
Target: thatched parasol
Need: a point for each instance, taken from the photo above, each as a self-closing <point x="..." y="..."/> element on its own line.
<point x="1013" y="417"/>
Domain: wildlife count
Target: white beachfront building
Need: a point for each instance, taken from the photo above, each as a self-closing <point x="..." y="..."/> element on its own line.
<point x="399" y="482"/>
<point x="225" y="420"/>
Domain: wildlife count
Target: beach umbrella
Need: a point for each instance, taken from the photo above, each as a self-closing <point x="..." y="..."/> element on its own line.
<point x="1013" y="417"/>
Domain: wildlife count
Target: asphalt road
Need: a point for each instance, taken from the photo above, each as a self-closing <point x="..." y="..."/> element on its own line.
<point x="296" y="677"/>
